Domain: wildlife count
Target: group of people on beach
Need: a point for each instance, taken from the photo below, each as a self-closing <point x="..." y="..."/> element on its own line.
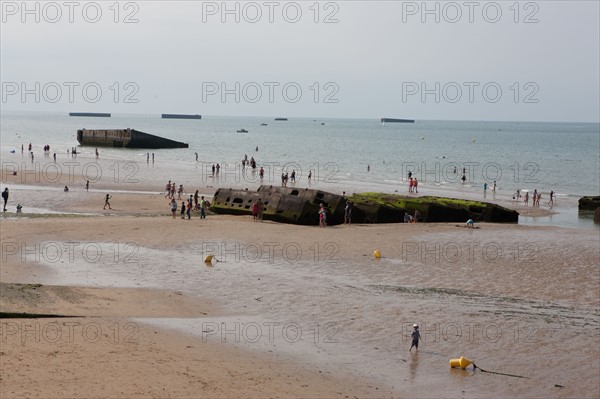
<point x="285" y="177"/>
<point x="535" y="197"/>
<point x="251" y="162"/>
<point x="70" y="151"/>
<point x="408" y="218"/>
<point x="413" y="184"/>
<point x="195" y="202"/>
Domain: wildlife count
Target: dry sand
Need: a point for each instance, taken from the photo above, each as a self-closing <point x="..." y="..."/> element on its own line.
<point x="517" y="299"/>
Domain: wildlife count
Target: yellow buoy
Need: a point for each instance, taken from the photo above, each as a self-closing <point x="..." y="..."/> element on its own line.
<point x="377" y="254"/>
<point x="463" y="362"/>
<point x="208" y="259"/>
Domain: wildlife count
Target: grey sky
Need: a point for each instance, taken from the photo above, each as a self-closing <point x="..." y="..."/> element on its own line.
<point x="374" y="61"/>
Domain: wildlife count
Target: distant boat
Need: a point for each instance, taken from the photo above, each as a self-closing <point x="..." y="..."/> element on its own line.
<point x="281" y="119"/>
<point x="242" y="131"/>
<point x="263" y="124"/>
<point x="181" y="116"/>
<point x="322" y="123"/>
<point x="92" y="114"/>
<point x="392" y="120"/>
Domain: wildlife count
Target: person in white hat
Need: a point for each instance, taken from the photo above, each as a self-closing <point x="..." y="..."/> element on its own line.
<point x="416" y="335"/>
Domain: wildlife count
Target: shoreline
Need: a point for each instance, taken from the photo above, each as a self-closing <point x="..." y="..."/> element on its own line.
<point x="325" y="277"/>
<point x="54" y="180"/>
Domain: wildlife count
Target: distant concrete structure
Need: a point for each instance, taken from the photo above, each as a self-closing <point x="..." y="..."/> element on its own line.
<point x="91" y="114"/>
<point x="180" y="116"/>
<point x="126" y="138"/>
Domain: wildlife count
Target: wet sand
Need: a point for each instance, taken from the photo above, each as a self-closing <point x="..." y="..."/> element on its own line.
<point x="292" y="311"/>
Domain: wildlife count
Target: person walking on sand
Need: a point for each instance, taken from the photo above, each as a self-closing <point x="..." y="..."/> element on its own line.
<point x="202" y="208"/>
<point x="416" y="185"/>
<point x="5" y="198"/>
<point x="255" y="211"/>
<point x="526" y="198"/>
<point x="551" y="202"/>
<point x="322" y="216"/>
<point x="183" y="209"/>
<point x="173" y="204"/>
<point x="348" y="213"/>
<point x="87" y="185"/>
<point x="416" y="336"/>
<point x="106" y="199"/>
<point x="188" y="211"/>
<point x="260" y="206"/>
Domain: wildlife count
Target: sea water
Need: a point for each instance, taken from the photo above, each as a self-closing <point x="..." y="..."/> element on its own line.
<point x="342" y="155"/>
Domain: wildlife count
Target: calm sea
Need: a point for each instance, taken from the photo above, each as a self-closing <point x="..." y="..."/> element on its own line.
<point x="344" y="154"/>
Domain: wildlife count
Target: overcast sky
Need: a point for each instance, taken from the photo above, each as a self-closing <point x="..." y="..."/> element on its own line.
<point x="536" y="61"/>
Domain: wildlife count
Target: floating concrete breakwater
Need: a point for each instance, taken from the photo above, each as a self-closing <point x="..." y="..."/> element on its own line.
<point x="128" y="138"/>
<point x="301" y="206"/>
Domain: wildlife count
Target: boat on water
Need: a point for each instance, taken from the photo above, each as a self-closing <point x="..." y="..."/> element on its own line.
<point x="242" y="131"/>
<point x="263" y="124"/>
<point x="90" y="114"/>
<point x="281" y="119"/>
<point x="127" y="138"/>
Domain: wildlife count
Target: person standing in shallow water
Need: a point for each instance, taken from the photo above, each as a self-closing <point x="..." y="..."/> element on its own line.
<point x="416" y="336"/>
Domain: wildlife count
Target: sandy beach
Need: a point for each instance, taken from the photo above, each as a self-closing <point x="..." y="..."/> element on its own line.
<point x="131" y="309"/>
